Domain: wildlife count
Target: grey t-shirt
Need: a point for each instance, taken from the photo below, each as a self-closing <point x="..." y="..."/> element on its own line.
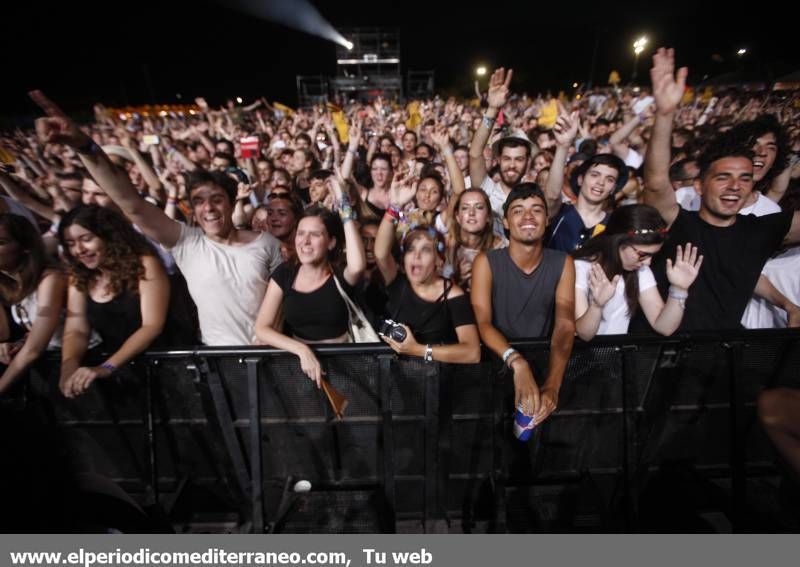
<point x="523" y="305"/>
<point x="227" y="283"/>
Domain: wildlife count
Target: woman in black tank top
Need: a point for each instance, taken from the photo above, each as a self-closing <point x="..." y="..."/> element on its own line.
<point x="118" y="288"/>
<point x="431" y="310"/>
<point x="305" y="288"/>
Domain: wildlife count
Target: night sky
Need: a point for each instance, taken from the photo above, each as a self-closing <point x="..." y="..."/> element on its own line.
<point x="149" y="51"/>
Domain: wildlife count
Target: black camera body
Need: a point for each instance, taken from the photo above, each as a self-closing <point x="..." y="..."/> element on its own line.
<point x="392" y="330"/>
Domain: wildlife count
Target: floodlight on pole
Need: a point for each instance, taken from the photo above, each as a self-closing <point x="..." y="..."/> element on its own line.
<point x="638" y="47"/>
<point x="480" y="71"/>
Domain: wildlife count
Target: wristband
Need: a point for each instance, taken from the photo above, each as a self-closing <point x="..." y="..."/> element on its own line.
<point x="108" y="366"/>
<point x="428" y="353"/>
<point x="393" y="212"/>
<point x="680" y="296"/>
<point x="507" y="354"/>
<point x="677" y="294"/>
<point x="488" y="121"/>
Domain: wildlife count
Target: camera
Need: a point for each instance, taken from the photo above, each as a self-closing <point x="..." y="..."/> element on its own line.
<point x="392" y="330"/>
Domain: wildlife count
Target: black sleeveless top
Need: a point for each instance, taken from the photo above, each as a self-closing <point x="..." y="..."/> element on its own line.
<point x="115" y="320"/>
<point x="118" y="319"/>
<point x="315" y="315"/>
<point x="431" y="322"/>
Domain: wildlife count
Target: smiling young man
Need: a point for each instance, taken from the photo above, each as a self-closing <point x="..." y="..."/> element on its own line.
<point x="526" y="291"/>
<point x="594" y="182"/>
<point x="735" y="247"/>
<point x="226" y="269"/>
<point x="512" y="152"/>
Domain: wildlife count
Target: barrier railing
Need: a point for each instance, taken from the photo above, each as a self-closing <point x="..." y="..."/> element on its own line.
<point x="651" y="434"/>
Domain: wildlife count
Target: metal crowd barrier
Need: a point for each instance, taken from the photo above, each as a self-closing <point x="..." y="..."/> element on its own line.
<point x="651" y="434"/>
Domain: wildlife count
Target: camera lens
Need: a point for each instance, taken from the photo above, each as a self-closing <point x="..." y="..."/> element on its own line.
<point x="399" y="334"/>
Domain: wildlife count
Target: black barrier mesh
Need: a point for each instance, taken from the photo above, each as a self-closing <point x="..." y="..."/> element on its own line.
<point x="642" y="438"/>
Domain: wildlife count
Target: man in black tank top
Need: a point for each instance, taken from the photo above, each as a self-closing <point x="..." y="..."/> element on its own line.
<point x="527" y="291"/>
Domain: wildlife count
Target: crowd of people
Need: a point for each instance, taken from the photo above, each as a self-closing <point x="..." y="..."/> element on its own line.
<point x="445" y="223"/>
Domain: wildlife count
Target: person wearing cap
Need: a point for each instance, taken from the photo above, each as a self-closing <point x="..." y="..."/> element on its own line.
<point x="526" y="291"/>
<point x="512" y="151"/>
<point x="735" y="247"/>
<point x="594" y="181"/>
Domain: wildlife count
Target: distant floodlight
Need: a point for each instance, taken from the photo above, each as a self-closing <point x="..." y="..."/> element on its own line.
<point x="741" y="52"/>
<point x="574" y="85"/>
<point x="348" y="45"/>
<point x="480" y="71"/>
<point x="638" y="45"/>
<point x="239" y="99"/>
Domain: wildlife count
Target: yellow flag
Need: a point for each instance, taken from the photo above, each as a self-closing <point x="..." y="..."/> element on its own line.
<point x="414" y="117"/>
<point x="340" y="123"/>
<point x="283" y="108"/>
<point x="688" y="96"/>
<point x="6" y="157"/>
<point x="547" y="119"/>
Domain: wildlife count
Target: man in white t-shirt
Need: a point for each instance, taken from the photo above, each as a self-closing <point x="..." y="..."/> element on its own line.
<point x="513" y="151"/>
<point x="226" y="269"/>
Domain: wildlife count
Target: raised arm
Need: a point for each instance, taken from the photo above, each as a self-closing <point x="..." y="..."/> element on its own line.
<point x="354" y="134"/>
<point x="668" y="90"/>
<point x="354" y="245"/>
<point x="623" y="133"/>
<point x="442" y="140"/>
<point x="155" y="189"/>
<point x="665" y="318"/>
<point x="498" y="95"/>
<point x="58" y="128"/>
<point x="24" y="198"/>
<point x="565" y="130"/>
<point x="400" y="194"/>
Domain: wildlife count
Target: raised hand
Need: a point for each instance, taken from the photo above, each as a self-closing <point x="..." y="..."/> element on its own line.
<point x="243" y="190"/>
<point x="354" y="134"/>
<point x="668" y="86"/>
<point x="601" y="289"/>
<point x="403" y="190"/>
<point x="498" y="88"/>
<point x="687" y="264"/>
<point x="441" y="138"/>
<point x="56" y="127"/>
<point x="566" y="127"/>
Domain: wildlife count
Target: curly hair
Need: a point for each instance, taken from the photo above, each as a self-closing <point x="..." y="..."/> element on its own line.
<point x="124" y="247"/>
